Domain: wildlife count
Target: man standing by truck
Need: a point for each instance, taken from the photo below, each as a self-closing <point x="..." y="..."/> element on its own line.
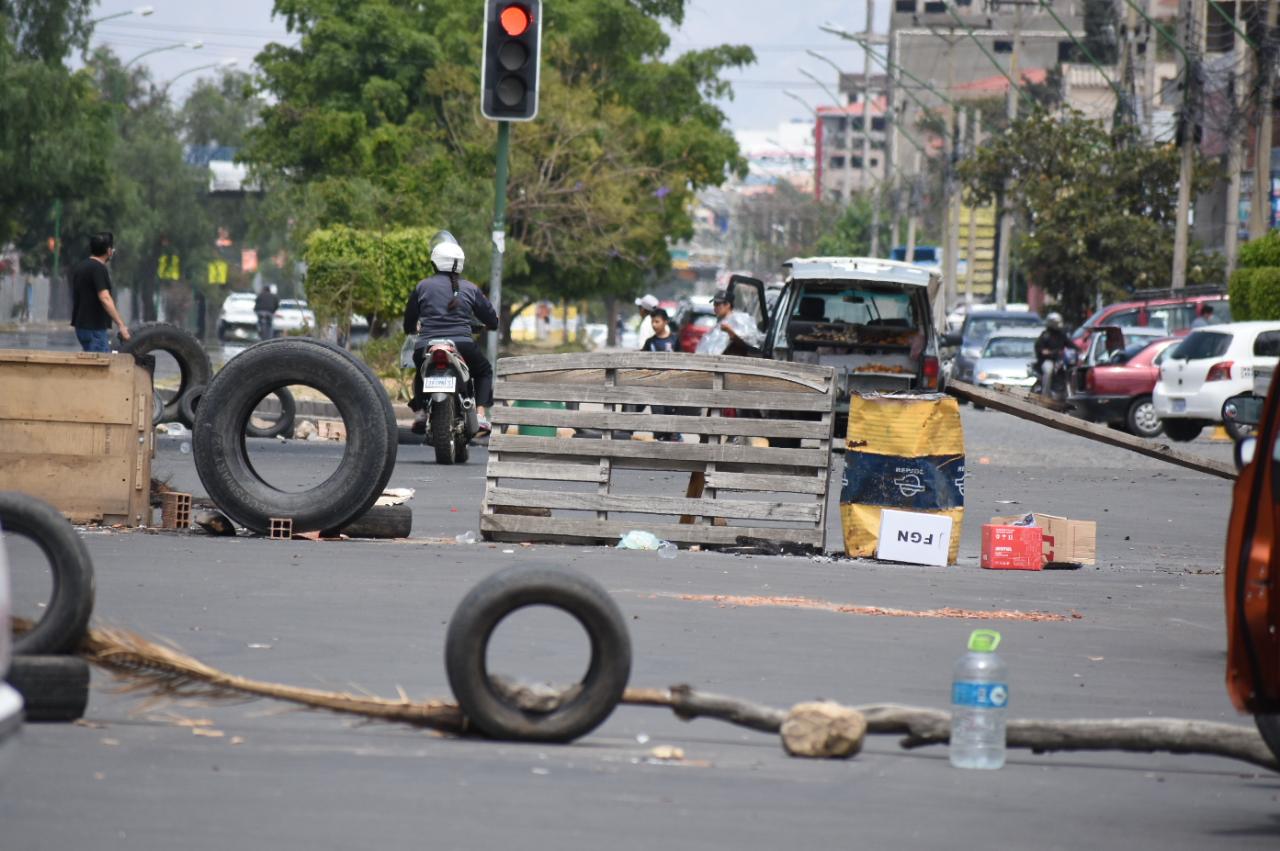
<point x="92" y="307"/>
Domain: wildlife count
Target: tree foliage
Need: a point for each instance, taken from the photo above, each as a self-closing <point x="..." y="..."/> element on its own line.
<point x="1095" y="213"/>
<point x="358" y="271"/>
<point x="1255" y="286"/>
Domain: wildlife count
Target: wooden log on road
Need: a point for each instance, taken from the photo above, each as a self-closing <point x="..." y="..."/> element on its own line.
<point x="1009" y="404"/>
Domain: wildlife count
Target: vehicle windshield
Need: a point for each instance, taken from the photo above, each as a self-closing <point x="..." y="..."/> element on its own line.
<point x="1267" y="345"/>
<point x="1200" y="345"/>
<point x="1010" y="347"/>
<point x="979" y="329"/>
<point x="855" y="304"/>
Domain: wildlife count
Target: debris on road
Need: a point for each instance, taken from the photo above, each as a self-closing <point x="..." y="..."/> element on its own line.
<point x="214" y="522"/>
<point x="731" y="601"/>
<point x="823" y="729"/>
<point x="1035" y="541"/>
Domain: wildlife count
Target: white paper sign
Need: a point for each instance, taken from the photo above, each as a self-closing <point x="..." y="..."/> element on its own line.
<point x="914" y="538"/>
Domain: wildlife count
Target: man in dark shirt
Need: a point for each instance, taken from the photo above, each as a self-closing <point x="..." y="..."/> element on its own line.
<point x="265" y="306"/>
<point x="92" y="307"/>
<point x="661" y="341"/>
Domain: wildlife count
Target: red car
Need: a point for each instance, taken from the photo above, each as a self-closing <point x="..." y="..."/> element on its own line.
<point x="695" y="321"/>
<point x="1116" y="388"/>
<point x="1171" y="310"/>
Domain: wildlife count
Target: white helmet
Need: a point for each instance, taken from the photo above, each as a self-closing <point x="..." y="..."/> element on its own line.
<point x="446" y="254"/>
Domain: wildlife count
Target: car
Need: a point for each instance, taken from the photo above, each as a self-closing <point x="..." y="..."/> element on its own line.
<point x="973" y="334"/>
<point x="870" y="319"/>
<point x="1006" y="358"/>
<point x="955" y="318"/>
<point x="293" y="317"/>
<point x="238" y="321"/>
<point x="1172" y="311"/>
<point x="1242" y="413"/>
<point x="1250" y="565"/>
<point x="1115" y="387"/>
<point x="695" y="319"/>
<point x="10" y="700"/>
<point x="1210" y="366"/>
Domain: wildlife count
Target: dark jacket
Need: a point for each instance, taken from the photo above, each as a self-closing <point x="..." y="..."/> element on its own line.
<point x="266" y="302"/>
<point x="428" y="314"/>
<point x="1053" y="339"/>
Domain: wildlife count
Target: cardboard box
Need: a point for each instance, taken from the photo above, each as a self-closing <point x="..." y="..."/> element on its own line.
<point x="1006" y="547"/>
<point x="1064" y="541"/>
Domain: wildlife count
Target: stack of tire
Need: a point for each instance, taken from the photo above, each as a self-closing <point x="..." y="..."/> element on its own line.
<point x="54" y="684"/>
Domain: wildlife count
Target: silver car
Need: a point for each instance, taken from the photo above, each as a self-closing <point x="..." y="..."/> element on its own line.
<point x="1006" y="358"/>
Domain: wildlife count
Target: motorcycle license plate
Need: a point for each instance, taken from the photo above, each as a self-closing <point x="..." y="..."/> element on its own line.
<point x="440" y="384"/>
<point x="1179" y="406"/>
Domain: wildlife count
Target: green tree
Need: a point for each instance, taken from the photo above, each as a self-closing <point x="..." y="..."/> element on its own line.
<point x="221" y="111"/>
<point x="850" y="235"/>
<point x="1095" y="212"/>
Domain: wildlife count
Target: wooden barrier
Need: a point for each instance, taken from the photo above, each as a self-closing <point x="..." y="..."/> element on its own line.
<point x="573" y="489"/>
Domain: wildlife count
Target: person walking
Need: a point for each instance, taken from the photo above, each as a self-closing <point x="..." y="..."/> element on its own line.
<point x="265" y="305"/>
<point x="93" y="308"/>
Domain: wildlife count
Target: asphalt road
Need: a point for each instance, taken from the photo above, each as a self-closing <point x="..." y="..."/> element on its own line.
<point x="1149" y="640"/>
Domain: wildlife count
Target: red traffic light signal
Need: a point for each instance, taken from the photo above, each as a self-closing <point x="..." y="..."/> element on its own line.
<point x="509" y="74"/>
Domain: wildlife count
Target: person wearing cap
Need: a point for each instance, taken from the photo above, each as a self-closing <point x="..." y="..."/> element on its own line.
<point x="647" y="303"/>
<point x="722" y="304"/>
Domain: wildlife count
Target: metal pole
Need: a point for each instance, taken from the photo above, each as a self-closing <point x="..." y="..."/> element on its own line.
<point x="1006" y="211"/>
<point x="953" y="221"/>
<point x="972" y="237"/>
<point x="1235" y="142"/>
<point x="891" y="129"/>
<point x="499" y="232"/>
<point x="866" y="137"/>
<point x="1264" y="73"/>
<point x="1189" y="13"/>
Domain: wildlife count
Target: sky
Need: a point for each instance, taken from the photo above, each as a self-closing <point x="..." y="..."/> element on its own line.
<point x="779" y="30"/>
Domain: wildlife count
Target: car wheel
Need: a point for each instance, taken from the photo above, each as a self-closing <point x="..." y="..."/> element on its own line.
<point x="1183" y="431"/>
<point x="1141" y="419"/>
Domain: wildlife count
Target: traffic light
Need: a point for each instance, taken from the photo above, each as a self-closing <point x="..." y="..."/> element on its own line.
<point x="509" y="75"/>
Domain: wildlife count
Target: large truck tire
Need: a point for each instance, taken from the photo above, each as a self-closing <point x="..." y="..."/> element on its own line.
<point x="193" y="360"/>
<point x="473" y="623"/>
<point x="283" y="424"/>
<point x="221" y="454"/>
<point x="66" y="616"/>
<point x="381" y="521"/>
<point x="53" y="688"/>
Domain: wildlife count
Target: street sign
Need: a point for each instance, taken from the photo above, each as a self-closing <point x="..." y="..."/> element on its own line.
<point x="509" y="69"/>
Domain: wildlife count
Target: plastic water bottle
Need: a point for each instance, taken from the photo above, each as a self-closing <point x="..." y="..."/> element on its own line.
<point x="979" y="701"/>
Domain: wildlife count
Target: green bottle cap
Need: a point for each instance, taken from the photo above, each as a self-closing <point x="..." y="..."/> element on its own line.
<point x="984" y="640"/>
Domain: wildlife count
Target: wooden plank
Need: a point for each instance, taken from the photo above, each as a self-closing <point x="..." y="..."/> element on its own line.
<point x="503" y="527"/>
<point x="745" y="399"/>
<point x="546" y="472"/>
<point x="818" y="378"/>
<point x="74" y="391"/>
<point x="78" y="485"/>
<point x="37" y="356"/>
<point x="640" y="421"/>
<point x="653" y="504"/>
<point x="670" y="378"/>
<point x="666" y="466"/>
<point x="781" y="484"/>
<point x="1081" y="428"/>
<point x="659" y="453"/>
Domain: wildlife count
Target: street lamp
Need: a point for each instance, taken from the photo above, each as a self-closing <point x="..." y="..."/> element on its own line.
<point x="189" y="45"/>
<point x="225" y="63"/>
<point x="141" y="12"/>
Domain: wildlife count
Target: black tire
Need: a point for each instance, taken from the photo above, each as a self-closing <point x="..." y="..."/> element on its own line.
<point x="1182" y="431"/>
<point x="440" y="427"/>
<point x="66" y="616"/>
<point x="381" y="521"/>
<point x="193" y="361"/>
<point x="1141" y="420"/>
<point x="221" y="454"/>
<point x="53" y="688"/>
<point x="478" y="615"/>
<point x="190" y="401"/>
<point x="283" y="424"/>
<point x="461" y="451"/>
<point x="1269" y="727"/>
<point x="408" y="438"/>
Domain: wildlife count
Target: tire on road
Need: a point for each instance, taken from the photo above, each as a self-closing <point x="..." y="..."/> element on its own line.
<point x="1269" y="727"/>
<point x="66" y="615"/>
<point x="283" y="424"/>
<point x="486" y="605"/>
<point x="1141" y="420"/>
<point x="440" y="427"/>
<point x="193" y="360"/>
<point x="190" y="401"/>
<point x="1183" y="431"/>
<point x="53" y="688"/>
<point x="221" y="453"/>
<point x="381" y="521"/>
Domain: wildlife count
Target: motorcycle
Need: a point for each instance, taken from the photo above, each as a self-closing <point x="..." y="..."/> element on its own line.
<point x="449" y="395"/>
<point x="1061" y="376"/>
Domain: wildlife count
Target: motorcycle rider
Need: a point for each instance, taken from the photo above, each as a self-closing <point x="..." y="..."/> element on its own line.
<point x="1049" y="348"/>
<point x="442" y="307"/>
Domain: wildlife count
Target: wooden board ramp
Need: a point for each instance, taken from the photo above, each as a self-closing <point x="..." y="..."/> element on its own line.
<point x="760" y="468"/>
<point x="1028" y="410"/>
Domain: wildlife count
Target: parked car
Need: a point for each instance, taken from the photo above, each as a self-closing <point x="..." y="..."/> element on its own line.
<point x="977" y="329"/>
<point x="1251" y="563"/>
<point x="238" y="321"/>
<point x="956" y="317"/>
<point x="1006" y="358"/>
<point x="1242" y="413"/>
<point x="293" y="316"/>
<point x="1115" y="387"/>
<point x="10" y="700"/>
<point x="1170" y="311"/>
<point x="1210" y="366"/>
<point x="870" y="319"/>
<point x="695" y="320"/>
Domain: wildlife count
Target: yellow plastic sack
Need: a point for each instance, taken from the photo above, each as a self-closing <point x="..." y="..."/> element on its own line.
<point x="904" y="453"/>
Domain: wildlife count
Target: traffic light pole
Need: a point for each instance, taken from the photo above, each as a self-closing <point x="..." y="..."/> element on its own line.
<point x="499" y="232"/>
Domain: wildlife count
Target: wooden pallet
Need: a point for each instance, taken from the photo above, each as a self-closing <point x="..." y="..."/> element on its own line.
<point x="575" y="490"/>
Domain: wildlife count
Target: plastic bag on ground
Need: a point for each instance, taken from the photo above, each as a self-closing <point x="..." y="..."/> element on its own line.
<point x="640" y="540"/>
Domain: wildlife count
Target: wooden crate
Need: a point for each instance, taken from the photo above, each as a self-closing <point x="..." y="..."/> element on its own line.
<point x="582" y="483"/>
<point x="75" y="431"/>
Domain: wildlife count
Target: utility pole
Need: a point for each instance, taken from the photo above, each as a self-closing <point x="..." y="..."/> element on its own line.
<point x="953" y="207"/>
<point x="867" y="121"/>
<point x="891" y="129"/>
<point x="913" y="208"/>
<point x="1127" y="111"/>
<point x="1006" y="207"/>
<point x="1192" y="31"/>
<point x="972" y="247"/>
<point x="1235" y="141"/>
<point x="1150" y="95"/>
<point x="499" y="233"/>
<point x="1264" y="73"/>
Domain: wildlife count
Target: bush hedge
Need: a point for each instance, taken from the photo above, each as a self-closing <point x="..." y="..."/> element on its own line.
<point x="366" y="272"/>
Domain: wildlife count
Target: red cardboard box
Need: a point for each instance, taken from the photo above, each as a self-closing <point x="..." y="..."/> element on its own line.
<point x="1012" y="547"/>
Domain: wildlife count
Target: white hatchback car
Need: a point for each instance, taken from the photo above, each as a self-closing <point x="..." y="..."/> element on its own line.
<point x="1211" y="365"/>
<point x="292" y="316"/>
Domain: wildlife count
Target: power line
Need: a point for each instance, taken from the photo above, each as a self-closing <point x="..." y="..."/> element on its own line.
<point x="968" y="29"/>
